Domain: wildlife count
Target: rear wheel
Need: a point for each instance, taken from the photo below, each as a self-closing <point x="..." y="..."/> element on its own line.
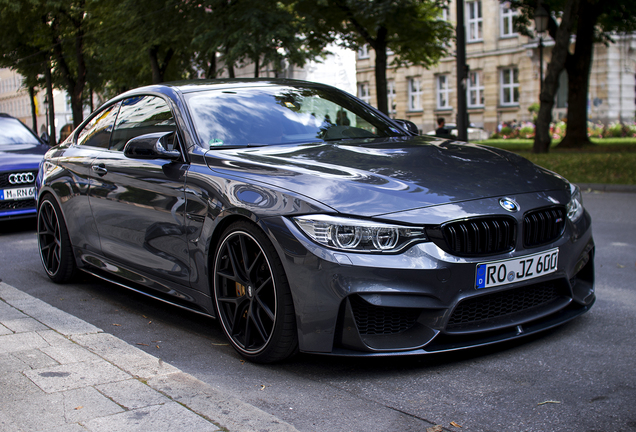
<point x="55" y="247"/>
<point x="252" y="295"/>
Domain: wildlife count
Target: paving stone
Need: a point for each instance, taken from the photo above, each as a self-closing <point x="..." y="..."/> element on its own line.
<point x="34" y="359"/>
<point x="64" y="350"/>
<point x="24" y="325"/>
<point x="87" y="403"/>
<point x="44" y="412"/>
<point x="4" y="330"/>
<point x="62" y="410"/>
<point x="75" y="375"/>
<point x="152" y="419"/>
<point x="75" y="427"/>
<point x="9" y="293"/>
<point x="133" y="360"/>
<point x="17" y="388"/>
<point x="231" y="413"/>
<point x="53" y="317"/>
<point x="8" y="312"/>
<point x="10" y="363"/>
<point x="7" y="424"/>
<point x="132" y="394"/>
<point x="21" y="342"/>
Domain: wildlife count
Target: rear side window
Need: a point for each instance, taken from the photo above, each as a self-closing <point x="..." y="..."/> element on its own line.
<point x="139" y="116"/>
<point x="97" y="132"/>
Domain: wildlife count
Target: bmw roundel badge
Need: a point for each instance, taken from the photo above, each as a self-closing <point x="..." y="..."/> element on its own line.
<point x="509" y="204"/>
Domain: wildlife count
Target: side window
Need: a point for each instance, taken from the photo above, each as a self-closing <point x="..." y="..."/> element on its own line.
<point x="97" y="132"/>
<point x="139" y="116"/>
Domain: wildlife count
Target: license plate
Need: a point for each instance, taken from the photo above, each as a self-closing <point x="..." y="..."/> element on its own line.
<point x="17" y="194"/>
<point x="496" y="273"/>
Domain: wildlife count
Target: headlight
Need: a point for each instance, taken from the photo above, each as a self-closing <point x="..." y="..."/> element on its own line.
<point x="357" y="235"/>
<point x="575" y="206"/>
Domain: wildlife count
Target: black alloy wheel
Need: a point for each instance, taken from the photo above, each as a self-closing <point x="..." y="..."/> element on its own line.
<point x="53" y="242"/>
<point x="252" y="296"/>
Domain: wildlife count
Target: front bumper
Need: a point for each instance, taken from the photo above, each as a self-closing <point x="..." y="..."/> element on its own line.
<point x="425" y="300"/>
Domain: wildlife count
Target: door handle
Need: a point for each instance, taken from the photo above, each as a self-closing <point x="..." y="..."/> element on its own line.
<point x="99" y="169"/>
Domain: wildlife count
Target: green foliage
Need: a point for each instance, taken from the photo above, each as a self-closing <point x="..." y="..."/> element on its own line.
<point x="608" y="161"/>
<point x="412" y="29"/>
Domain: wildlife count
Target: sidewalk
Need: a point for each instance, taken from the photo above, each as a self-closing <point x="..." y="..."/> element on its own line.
<point x="62" y="374"/>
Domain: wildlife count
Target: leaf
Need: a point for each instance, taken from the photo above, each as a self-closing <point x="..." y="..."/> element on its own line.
<point x="620" y="266"/>
<point x="118" y="325"/>
<point x="143" y="344"/>
<point x="262" y="387"/>
<point x="79" y="408"/>
<point x="436" y="428"/>
<point x="455" y="424"/>
<point x="549" y="402"/>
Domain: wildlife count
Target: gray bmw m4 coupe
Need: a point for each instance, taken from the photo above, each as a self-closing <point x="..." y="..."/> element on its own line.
<point x="305" y="220"/>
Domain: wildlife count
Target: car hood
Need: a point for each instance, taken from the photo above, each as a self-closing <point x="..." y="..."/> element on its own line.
<point x="21" y="156"/>
<point x="374" y="177"/>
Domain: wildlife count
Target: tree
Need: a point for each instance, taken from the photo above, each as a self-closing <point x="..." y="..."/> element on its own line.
<point x="591" y="21"/>
<point x="145" y="42"/>
<point x="412" y="29"/>
<point x="254" y="31"/>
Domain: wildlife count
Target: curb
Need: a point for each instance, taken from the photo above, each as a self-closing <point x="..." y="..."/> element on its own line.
<point x="76" y="357"/>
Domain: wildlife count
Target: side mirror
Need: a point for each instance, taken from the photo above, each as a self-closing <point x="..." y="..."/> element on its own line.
<point x="151" y="146"/>
<point x="408" y="125"/>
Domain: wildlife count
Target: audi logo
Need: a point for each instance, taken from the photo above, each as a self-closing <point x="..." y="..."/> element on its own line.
<point x="21" y="178"/>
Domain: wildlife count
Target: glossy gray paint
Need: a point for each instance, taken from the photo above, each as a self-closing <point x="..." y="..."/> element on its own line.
<point x="154" y="225"/>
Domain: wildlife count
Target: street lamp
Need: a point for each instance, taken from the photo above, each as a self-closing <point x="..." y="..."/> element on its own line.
<point x="541" y="18"/>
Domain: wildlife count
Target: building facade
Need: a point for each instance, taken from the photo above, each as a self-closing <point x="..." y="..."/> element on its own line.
<point x="503" y="79"/>
<point x="15" y="101"/>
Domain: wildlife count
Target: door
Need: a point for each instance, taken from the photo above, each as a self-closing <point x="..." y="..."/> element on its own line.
<point x="138" y="205"/>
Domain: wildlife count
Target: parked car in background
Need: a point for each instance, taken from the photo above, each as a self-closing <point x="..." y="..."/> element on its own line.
<point x="304" y="219"/>
<point x="21" y="152"/>
<point x="474" y="133"/>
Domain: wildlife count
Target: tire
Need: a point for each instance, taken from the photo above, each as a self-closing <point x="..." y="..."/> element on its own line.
<point x="252" y="296"/>
<point x="54" y="245"/>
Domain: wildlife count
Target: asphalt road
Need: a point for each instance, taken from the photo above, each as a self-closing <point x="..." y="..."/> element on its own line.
<point x="578" y="377"/>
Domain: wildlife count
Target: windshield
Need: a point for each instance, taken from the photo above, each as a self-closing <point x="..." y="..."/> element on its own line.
<point x="12" y="131"/>
<point x="278" y="115"/>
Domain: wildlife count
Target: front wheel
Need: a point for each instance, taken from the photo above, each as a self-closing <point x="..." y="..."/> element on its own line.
<point x="252" y="295"/>
<point x="55" y="247"/>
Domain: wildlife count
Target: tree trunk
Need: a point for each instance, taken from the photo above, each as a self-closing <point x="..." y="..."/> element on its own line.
<point x="211" y="73"/>
<point x="34" y="114"/>
<point x="74" y="85"/>
<point x="154" y="65"/>
<point x="380" y="70"/>
<point x="542" y="138"/>
<point x="51" y="106"/>
<point x="257" y="66"/>
<point x="578" y="66"/>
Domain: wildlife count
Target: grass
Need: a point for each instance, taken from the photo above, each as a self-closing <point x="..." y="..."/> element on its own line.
<point x="609" y="160"/>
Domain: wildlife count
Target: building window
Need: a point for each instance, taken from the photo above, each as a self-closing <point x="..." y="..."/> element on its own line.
<point x="415" y="94"/>
<point x="475" y="21"/>
<point x="445" y="15"/>
<point x="443" y="92"/>
<point x="506" y="23"/>
<point x="510" y="86"/>
<point x="363" y="52"/>
<point x="390" y="96"/>
<point x="363" y="92"/>
<point x="475" y="90"/>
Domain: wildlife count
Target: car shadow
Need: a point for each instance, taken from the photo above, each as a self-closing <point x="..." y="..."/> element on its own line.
<point x="18" y="225"/>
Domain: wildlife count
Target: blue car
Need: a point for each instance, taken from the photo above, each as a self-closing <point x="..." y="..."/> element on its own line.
<point x="21" y="152"/>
